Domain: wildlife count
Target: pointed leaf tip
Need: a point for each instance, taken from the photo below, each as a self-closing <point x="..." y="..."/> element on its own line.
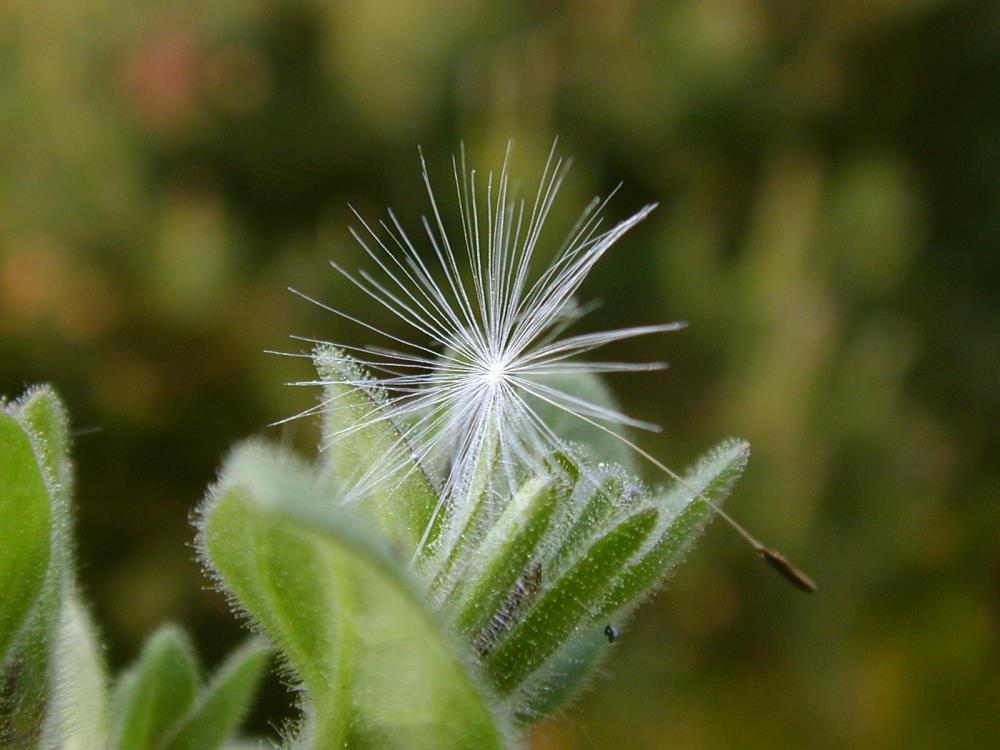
<point x="683" y="519"/>
<point x="359" y="437"/>
<point x="156" y="691"/>
<point x="223" y="703"/>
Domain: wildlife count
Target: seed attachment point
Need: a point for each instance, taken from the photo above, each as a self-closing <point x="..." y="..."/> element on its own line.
<point x="788" y="571"/>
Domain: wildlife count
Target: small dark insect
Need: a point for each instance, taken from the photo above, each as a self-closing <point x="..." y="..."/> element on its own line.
<point x="612" y="633"/>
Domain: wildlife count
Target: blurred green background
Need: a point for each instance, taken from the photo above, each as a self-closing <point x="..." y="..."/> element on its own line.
<point x="829" y="180"/>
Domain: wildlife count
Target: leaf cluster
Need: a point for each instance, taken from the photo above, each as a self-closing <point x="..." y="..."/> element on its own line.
<point x="410" y="618"/>
<point x="55" y="693"/>
<point x="415" y="619"/>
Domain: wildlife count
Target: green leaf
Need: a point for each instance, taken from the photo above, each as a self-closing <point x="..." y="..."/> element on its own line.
<point x="222" y="704"/>
<point x="25" y="516"/>
<point x="504" y="553"/>
<point x="43" y="417"/>
<point x="379" y="668"/>
<point x="562" y="676"/>
<point x="77" y="711"/>
<point x="271" y="573"/>
<point x="468" y="520"/>
<point x="156" y="691"/>
<point x="591" y="517"/>
<point x="408" y="501"/>
<point x="42" y="414"/>
<point x="549" y="623"/>
<point x="683" y="518"/>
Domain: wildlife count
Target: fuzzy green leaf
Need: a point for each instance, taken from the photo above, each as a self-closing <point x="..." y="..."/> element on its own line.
<point x="223" y="703"/>
<point x="468" y="520"/>
<point x="25" y="511"/>
<point x="77" y="710"/>
<point x="155" y="692"/>
<point x="42" y="414"/>
<point x="378" y="667"/>
<point x="504" y="553"/>
<point x="549" y="623"/>
<point x="272" y="573"/>
<point x="408" y="501"/>
<point x="595" y="511"/>
<point x="683" y="518"/>
<point x="563" y="675"/>
<point x="43" y="417"/>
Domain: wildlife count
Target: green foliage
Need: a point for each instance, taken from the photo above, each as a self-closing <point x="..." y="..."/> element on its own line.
<point x="567" y="603"/>
<point x="495" y="624"/>
<point x="221" y="705"/>
<point x="77" y="701"/>
<point x="682" y="518"/>
<point x="54" y="685"/>
<point x="505" y="552"/>
<point x="159" y="702"/>
<point x="378" y="667"/>
<point x="44" y="421"/>
<point x="24" y="505"/>
<point x="354" y="411"/>
<point x="154" y="693"/>
<point x="829" y="181"/>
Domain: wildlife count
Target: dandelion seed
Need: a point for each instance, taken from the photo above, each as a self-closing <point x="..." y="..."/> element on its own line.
<point x="487" y="334"/>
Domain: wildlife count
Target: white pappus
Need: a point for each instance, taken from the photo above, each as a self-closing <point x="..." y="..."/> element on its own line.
<point x="486" y="334"/>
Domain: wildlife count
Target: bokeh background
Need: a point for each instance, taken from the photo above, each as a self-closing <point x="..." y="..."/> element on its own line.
<point x="829" y="181"/>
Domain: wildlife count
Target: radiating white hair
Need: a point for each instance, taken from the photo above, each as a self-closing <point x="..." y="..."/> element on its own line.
<point x="486" y="329"/>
